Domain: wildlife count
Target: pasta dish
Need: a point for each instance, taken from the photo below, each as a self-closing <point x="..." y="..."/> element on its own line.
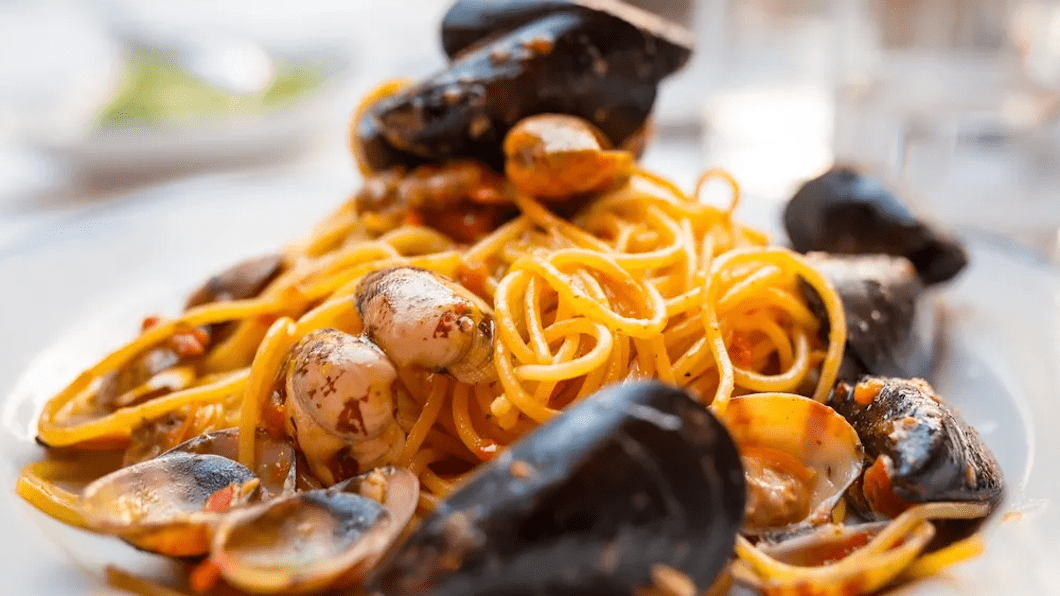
<point x="512" y="337"/>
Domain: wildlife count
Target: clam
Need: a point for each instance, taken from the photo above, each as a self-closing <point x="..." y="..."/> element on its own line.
<point x="889" y="329"/>
<point x="844" y="211"/>
<point x="587" y="63"/>
<point x="919" y="449"/>
<point x="275" y="459"/>
<point x="825" y="544"/>
<point x="633" y="477"/>
<point x="800" y="456"/>
<point x="420" y="318"/>
<point x="170" y="504"/>
<point x="316" y="539"/>
<point x="340" y="405"/>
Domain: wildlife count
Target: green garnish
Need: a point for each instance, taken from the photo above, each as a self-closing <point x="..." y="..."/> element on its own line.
<point x="157" y="90"/>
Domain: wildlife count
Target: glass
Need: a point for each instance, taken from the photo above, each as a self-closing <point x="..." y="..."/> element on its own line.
<point x="944" y="99"/>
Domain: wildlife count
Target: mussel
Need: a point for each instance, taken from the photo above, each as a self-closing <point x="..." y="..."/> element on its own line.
<point x="555" y="157"/>
<point x="891" y="329"/>
<point x="315" y="539"/>
<point x="586" y="63"/>
<point x="800" y="457"/>
<point x="633" y="476"/>
<point x="170" y="504"/>
<point x="472" y="21"/>
<point x="843" y="211"/>
<point x="918" y="447"/>
<point x="469" y="22"/>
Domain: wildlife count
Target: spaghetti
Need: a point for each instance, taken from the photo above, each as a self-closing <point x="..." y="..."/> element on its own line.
<point x="645" y="282"/>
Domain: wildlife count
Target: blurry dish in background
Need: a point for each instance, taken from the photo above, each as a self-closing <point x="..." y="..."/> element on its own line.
<point x="203" y="106"/>
<point x="238" y="79"/>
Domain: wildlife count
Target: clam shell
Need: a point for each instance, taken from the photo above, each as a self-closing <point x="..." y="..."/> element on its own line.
<point x="161" y="504"/>
<point x="811" y="433"/>
<point x="316" y="539"/>
<point x="276" y="459"/>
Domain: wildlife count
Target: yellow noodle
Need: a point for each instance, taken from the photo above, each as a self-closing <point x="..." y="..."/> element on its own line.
<point x="119" y="424"/>
<point x="259" y="386"/>
<point x="482" y="448"/>
<point x="34" y="486"/>
<point x="425" y="421"/>
<point x="935" y="562"/>
<point x="513" y="390"/>
<point x="579" y="366"/>
<point x="128" y="582"/>
<point x="647" y="281"/>
<point x="712" y="325"/>
<point x="416" y="240"/>
<point x="786" y="381"/>
<point x="713" y="173"/>
<point x="434" y="483"/>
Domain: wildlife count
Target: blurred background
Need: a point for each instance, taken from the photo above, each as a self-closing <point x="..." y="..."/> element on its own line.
<point x="954" y="103"/>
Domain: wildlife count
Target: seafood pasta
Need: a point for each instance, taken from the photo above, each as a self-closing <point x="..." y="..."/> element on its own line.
<point x="419" y="362"/>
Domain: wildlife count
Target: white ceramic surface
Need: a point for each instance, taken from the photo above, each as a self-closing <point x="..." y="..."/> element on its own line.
<point x="77" y="288"/>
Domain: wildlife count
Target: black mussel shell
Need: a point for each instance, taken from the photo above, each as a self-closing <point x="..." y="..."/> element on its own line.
<point x="376" y="150"/>
<point x="933" y="454"/>
<point x="635" y="475"/>
<point x="889" y="331"/>
<point x="843" y="211"/>
<point x="472" y="21"/>
<point x="245" y="279"/>
<point x="589" y="65"/>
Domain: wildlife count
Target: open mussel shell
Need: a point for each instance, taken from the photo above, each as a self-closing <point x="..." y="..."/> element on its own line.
<point x="316" y="539"/>
<point x="891" y="327"/>
<point x="471" y="21"/>
<point x="919" y="449"/>
<point x="169" y="504"/>
<point x="845" y="211"/>
<point x="800" y="457"/>
<point x="584" y="64"/>
<point x="275" y="460"/>
<point x="633" y="476"/>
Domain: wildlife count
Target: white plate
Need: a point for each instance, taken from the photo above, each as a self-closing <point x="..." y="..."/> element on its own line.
<point x="81" y="288"/>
